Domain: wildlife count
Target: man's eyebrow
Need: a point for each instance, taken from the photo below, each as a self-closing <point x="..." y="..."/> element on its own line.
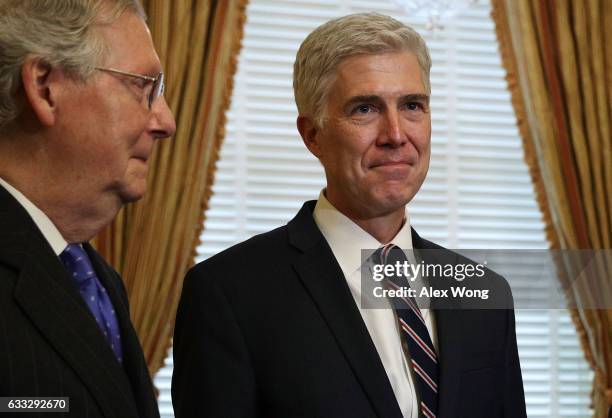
<point x="373" y="98"/>
<point x="416" y="97"/>
<point x="365" y="98"/>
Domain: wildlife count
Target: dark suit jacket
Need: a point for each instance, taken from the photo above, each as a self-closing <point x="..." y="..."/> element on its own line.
<point x="269" y="328"/>
<point x="50" y="344"/>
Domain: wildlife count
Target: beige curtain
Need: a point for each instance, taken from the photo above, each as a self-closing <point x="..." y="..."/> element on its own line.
<point x="558" y="55"/>
<point x="152" y="242"/>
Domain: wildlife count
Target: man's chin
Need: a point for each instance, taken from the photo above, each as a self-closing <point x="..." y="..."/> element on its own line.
<point x="133" y="192"/>
<point x="393" y="197"/>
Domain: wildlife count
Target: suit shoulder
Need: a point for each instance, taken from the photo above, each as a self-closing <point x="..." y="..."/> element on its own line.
<point x="250" y="255"/>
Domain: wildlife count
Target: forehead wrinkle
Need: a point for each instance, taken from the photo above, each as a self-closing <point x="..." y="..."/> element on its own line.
<point x="377" y="87"/>
<point x="375" y="73"/>
<point x="130" y="46"/>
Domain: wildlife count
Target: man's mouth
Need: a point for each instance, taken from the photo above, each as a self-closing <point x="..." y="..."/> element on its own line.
<point x="142" y="158"/>
<point x="392" y="163"/>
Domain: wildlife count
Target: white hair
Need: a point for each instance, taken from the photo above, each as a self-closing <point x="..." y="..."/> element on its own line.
<point x="60" y="32"/>
<point x="358" y="34"/>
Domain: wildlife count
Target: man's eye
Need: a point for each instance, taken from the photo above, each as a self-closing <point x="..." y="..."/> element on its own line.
<point x="140" y="83"/>
<point x="414" y="106"/>
<point x="141" y="88"/>
<point x="363" y="109"/>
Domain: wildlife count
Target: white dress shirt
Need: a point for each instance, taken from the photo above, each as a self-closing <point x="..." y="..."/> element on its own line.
<point x="346" y="240"/>
<point x="42" y="221"/>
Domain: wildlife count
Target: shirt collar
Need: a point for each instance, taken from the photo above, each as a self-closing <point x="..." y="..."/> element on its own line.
<point x="42" y="221"/>
<point x="346" y="239"/>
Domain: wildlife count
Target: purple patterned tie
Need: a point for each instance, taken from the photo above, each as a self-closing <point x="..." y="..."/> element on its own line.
<point x="424" y="359"/>
<point x="77" y="262"/>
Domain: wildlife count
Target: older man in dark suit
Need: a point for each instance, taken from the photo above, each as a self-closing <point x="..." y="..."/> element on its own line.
<point x="81" y="107"/>
<point x="275" y="326"/>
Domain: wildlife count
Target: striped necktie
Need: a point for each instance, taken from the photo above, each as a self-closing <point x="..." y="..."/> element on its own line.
<point x="423" y="358"/>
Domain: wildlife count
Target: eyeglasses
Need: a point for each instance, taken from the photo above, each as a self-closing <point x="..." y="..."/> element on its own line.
<point x="157" y="86"/>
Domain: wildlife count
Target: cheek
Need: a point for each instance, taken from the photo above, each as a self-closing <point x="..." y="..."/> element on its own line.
<point x="423" y="136"/>
<point x="125" y="138"/>
<point x="111" y="153"/>
<point x="345" y="149"/>
<point x="356" y="141"/>
<point x="108" y="165"/>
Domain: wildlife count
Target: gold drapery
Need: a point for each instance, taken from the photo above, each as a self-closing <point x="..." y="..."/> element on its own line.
<point x="558" y="56"/>
<point x="152" y="243"/>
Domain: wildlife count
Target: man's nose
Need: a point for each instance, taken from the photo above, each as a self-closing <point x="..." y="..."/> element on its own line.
<point x="391" y="130"/>
<point x="164" y="125"/>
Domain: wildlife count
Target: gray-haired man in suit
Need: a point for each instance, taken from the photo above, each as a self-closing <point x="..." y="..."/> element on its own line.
<point x="274" y="327"/>
<point x="81" y="108"/>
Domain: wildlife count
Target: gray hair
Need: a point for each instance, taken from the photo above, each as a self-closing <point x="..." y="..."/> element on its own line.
<point x="60" y="32"/>
<point x="358" y="34"/>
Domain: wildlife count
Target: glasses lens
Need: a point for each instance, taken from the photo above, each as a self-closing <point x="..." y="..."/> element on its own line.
<point x="157" y="90"/>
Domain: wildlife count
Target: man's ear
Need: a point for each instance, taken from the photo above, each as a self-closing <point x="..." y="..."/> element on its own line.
<point x="309" y="131"/>
<point x="39" y="89"/>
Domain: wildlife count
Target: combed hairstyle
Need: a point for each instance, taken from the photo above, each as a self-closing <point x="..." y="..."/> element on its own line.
<point x="328" y="45"/>
<point x="59" y="32"/>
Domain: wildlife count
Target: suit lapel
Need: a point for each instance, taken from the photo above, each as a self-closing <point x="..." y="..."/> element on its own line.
<point x="324" y="280"/>
<point x="128" y="337"/>
<point x="133" y="361"/>
<point x="449" y="329"/>
<point x="48" y="298"/>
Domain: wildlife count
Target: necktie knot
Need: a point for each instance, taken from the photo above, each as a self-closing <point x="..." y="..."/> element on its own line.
<point x="389" y="254"/>
<point x="77" y="262"/>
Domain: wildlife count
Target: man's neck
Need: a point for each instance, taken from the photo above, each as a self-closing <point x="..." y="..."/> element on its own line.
<point x="25" y="163"/>
<point x="75" y="221"/>
<point x="383" y="228"/>
<point x="80" y="225"/>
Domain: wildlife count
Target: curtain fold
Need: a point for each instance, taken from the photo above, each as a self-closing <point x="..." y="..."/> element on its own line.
<point x="153" y="242"/>
<point x="559" y="69"/>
